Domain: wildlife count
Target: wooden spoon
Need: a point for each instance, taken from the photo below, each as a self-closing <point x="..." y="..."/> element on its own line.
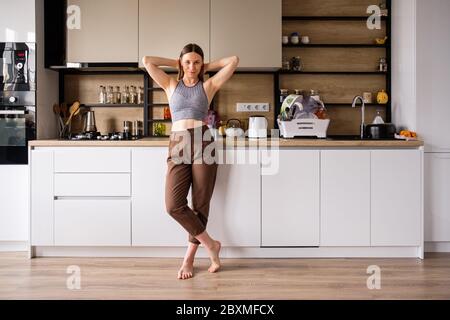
<point x="74" y="108"/>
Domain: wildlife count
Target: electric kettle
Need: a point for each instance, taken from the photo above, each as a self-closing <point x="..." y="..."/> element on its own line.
<point x="257" y="127"/>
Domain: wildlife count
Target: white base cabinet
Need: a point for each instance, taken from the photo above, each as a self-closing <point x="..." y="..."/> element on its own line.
<point x="396" y="203"/>
<point x="235" y="212"/>
<point x="437" y="200"/>
<point x="89" y="222"/>
<point x="151" y="224"/>
<point x="14" y="202"/>
<point x="287" y="198"/>
<point x="290" y="199"/>
<point x="345" y="198"/>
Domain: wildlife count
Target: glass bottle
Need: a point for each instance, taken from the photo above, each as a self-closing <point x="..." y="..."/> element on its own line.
<point x="133" y="95"/>
<point x="286" y="64"/>
<point x="109" y="95"/>
<point x="117" y="95"/>
<point x="125" y="95"/>
<point x="102" y="95"/>
<point x="140" y="97"/>
<point x="283" y="94"/>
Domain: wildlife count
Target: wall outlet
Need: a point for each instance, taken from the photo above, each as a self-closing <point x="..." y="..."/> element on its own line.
<point x="252" y="107"/>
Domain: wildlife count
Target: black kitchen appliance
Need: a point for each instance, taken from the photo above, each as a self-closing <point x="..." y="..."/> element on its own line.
<point x="17" y="101"/>
<point x="380" y="131"/>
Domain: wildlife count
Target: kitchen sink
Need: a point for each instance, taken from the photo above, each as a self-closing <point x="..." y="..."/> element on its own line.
<point x="355" y="137"/>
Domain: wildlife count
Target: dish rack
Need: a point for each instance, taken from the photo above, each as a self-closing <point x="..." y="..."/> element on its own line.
<point x="304" y="128"/>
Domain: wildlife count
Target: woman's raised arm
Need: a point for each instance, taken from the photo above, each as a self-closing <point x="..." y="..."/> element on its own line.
<point x="152" y="65"/>
<point x="227" y="67"/>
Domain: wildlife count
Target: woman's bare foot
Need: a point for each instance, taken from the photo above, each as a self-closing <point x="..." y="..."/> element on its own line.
<point x="186" y="271"/>
<point x="214" y="256"/>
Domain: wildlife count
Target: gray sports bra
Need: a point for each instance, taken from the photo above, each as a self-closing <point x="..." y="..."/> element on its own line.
<point x="188" y="102"/>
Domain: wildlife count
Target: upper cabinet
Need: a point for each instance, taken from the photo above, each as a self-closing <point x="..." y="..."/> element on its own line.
<point x="250" y="29"/>
<point x="14" y="29"/>
<point x="165" y="27"/>
<point x="108" y="31"/>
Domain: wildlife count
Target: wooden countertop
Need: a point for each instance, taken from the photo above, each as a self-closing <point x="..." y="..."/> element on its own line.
<point x="297" y="142"/>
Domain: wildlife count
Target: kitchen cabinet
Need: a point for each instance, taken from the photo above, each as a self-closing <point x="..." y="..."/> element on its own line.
<point x="108" y="31"/>
<point x="396" y="197"/>
<point x="235" y="209"/>
<point x="41" y="197"/>
<point x="151" y="224"/>
<point x="165" y="27"/>
<point x="92" y="222"/>
<point x="290" y="198"/>
<point x="437" y="201"/>
<point x="14" y="202"/>
<point x="250" y="29"/>
<point x="345" y="198"/>
<point x="18" y="28"/>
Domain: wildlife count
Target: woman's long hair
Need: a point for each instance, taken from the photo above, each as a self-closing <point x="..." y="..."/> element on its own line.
<point x="191" y="47"/>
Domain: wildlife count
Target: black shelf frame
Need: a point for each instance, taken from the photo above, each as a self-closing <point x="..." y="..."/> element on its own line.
<point x="335" y="45"/>
<point x="334" y="72"/>
<point x="61" y="80"/>
<point x="114" y="105"/>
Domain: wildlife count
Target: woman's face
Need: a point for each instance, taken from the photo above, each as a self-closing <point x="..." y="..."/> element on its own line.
<point x="191" y="63"/>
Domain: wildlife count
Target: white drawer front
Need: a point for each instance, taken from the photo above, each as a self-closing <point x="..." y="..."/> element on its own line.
<point x="93" y="160"/>
<point x="93" y="184"/>
<point x="92" y="223"/>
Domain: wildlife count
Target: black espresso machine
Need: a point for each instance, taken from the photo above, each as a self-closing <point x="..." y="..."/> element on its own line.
<point x="17" y="101"/>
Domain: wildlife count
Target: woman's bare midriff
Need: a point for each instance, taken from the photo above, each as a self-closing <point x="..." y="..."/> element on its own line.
<point x="185" y="124"/>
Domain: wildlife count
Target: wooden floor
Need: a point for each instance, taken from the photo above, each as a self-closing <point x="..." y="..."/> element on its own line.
<point x="150" y="278"/>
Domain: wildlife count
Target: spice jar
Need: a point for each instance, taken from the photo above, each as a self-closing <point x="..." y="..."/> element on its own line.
<point x="283" y="94"/>
<point x="167" y="115"/>
<point x="296" y="63"/>
<point x="286" y="64"/>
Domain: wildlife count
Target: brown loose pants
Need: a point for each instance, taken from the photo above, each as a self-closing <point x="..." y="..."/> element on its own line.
<point x="191" y="161"/>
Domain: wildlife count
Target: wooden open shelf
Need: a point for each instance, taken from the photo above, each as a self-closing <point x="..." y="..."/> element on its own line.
<point x="341" y="59"/>
<point x="337" y="18"/>
<point x="114" y="105"/>
<point x="334" y="72"/>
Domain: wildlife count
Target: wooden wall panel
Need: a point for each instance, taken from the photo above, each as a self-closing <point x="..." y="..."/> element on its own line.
<point x="346" y="120"/>
<point x="326" y="7"/>
<point x="337" y="59"/>
<point x="246" y="88"/>
<point x="85" y="88"/>
<point x="334" y="32"/>
<point x="335" y="88"/>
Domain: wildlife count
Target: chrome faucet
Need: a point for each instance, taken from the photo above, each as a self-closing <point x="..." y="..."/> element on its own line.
<point x="355" y="99"/>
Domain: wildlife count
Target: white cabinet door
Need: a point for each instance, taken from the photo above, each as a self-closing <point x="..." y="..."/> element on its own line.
<point x="14" y="201"/>
<point x="250" y="29"/>
<point x="235" y="216"/>
<point x="17" y="21"/>
<point x="290" y="198"/>
<point x="108" y="31"/>
<point x="437" y="200"/>
<point x="151" y="224"/>
<point x="165" y="27"/>
<point x="41" y="197"/>
<point x="92" y="160"/>
<point x="92" y="222"/>
<point x="345" y="198"/>
<point x="396" y="197"/>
